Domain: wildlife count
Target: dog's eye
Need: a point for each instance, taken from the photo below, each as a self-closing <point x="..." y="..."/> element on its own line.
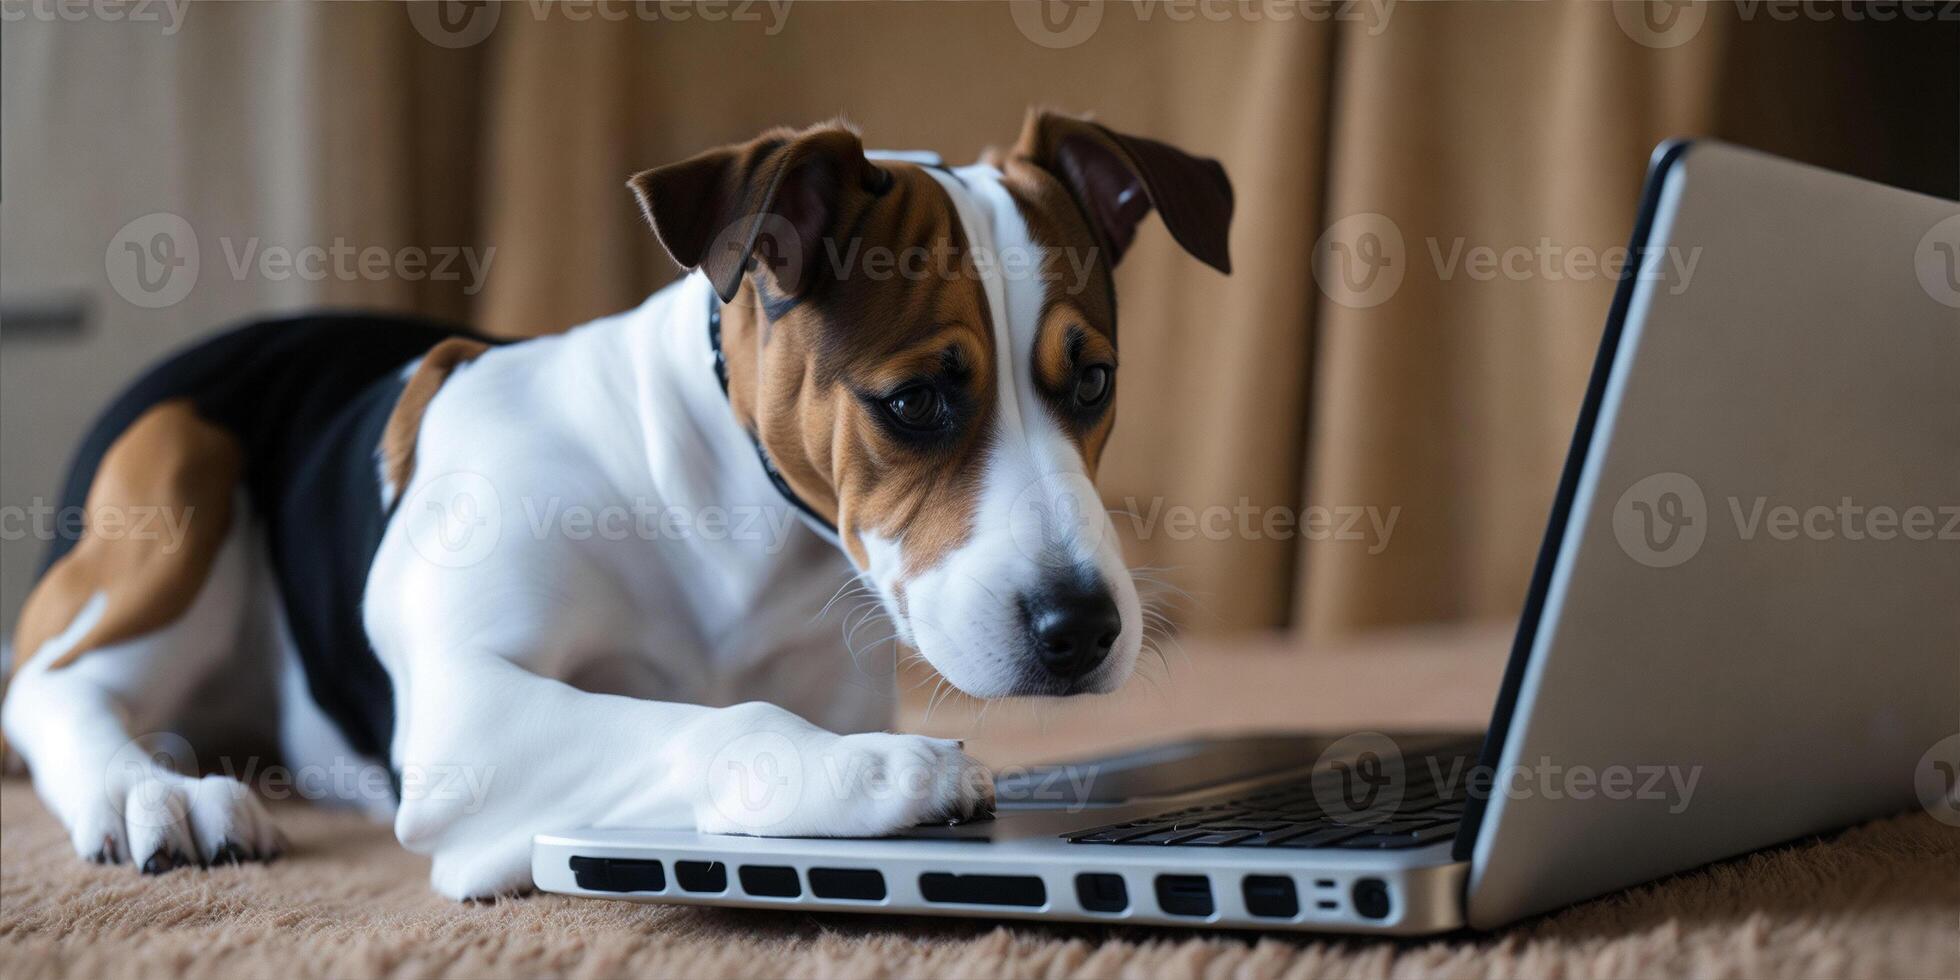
<point x="1092" y="385"/>
<point x="917" y="407"/>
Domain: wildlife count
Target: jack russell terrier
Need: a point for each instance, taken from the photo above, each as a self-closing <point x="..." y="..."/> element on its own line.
<point x="367" y="566"/>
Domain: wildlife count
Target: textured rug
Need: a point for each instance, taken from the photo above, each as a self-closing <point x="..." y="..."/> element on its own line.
<point x="1881" y="900"/>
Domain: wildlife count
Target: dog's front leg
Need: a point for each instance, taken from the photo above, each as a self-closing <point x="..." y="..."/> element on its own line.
<point x="495" y="754"/>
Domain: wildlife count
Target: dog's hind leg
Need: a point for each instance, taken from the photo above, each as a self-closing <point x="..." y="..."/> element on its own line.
<point x="117" y="637"/>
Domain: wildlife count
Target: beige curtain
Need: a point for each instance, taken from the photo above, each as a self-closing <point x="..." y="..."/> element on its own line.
<point x="1212" y="404"/>
<point x="1258" y="400"/>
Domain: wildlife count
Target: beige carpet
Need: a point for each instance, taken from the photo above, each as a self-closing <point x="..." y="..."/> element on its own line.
<point x="1881" y="900"/>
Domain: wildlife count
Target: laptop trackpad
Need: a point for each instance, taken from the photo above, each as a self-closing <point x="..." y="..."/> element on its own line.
<point x="1157" y="770"/>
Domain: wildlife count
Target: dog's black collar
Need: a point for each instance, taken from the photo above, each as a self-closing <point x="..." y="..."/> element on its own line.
<point x="761" y="454"/>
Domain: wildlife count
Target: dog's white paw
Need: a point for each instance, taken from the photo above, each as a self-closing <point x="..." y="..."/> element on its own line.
<point x="823" y="785"/>
<point x="166" y="821"/>
<point x="906" y="780"/>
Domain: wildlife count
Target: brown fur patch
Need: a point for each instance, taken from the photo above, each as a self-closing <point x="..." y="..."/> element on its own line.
<point x="169" y="462"/>
<point x="807" y="382"/>
<point x="405" y="422"/>
<point x="1078" y="312"/>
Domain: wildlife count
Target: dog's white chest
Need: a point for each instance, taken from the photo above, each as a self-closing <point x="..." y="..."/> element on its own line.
<point x="639" y="547"/>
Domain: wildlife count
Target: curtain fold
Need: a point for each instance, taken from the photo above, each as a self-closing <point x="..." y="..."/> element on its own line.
<point x="1294" y="449"/>
<point x="1447" y="400"/>
<point x="1522" y="132"/>
<point x="1211" y="405"/>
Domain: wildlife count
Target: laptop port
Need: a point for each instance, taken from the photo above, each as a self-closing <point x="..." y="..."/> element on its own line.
<point x="1184" y="894"/>
<point x="1271" y="896"/>
<point x="770" y="880"/>
<point x="618" y="875"/>
<point x="701" y="876"/>
<point x="1101" y="892"/>
<point x="1371" y="898"/>
<point x="856" y="884"/>
<point x="1020" y="890"/>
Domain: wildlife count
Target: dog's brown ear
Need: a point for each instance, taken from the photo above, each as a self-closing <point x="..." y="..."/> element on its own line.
<point x="769" y="200"/>
<point x="1118" y="178"/>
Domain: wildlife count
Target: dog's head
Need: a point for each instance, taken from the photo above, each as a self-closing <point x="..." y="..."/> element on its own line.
<point x="929" y="358"/>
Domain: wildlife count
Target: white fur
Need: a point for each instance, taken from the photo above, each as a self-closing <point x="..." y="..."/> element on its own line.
<point x="624" y="410"/>
<point x="104" y="735"/>
<point x="549" y="675"/>
<point x="963" y="613"/>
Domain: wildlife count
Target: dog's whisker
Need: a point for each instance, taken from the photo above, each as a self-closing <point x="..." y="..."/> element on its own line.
<point x="850" y="589"/>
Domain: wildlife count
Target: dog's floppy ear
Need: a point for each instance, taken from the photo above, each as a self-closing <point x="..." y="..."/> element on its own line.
<point x="771" y="199"/>
<point x="1117" y="179"/>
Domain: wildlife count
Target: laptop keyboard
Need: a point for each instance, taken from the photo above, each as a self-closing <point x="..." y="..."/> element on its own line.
<point x="1295" y="814"/>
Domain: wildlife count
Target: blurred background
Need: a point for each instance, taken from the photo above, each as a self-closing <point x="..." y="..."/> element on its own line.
<point x="1360" y="428"/>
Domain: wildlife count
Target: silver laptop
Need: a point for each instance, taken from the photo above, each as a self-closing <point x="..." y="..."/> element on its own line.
<point x="1743" y="628"/>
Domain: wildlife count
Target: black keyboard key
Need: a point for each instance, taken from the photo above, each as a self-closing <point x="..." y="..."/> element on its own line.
<point x="1396" y="840"/>
<point x="1401" y="825"/>
<point x="1119" y="833"/>
<point x="1171" y="836"/>
<point x="1098" y="837"/>
<point x="1290" y="815"/>
<point x="1324" y="837"/>
<point x="1213" y="838"/>
<point x="1272" y="837"/>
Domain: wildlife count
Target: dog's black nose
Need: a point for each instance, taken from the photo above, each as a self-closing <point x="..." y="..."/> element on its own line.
<point x="1073" y="628"/>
